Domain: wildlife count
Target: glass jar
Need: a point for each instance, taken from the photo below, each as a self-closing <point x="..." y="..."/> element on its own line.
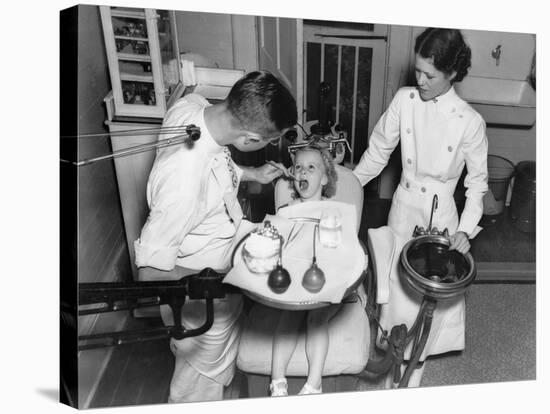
<point x="260" y="264"/>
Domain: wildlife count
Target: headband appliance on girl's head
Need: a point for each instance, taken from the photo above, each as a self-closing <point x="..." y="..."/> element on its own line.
<point x="327" y="141"/>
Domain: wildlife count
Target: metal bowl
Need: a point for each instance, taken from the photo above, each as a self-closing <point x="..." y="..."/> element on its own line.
<point x="429" y="268"/>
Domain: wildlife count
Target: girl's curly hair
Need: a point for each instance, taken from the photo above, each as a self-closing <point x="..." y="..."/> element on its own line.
<point x="329" y="189"/>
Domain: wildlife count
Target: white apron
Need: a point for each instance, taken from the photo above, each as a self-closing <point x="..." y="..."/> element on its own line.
<point x="411" y="206"/>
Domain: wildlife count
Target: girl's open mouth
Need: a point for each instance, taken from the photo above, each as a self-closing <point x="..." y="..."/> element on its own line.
<point x="303" y="184"/>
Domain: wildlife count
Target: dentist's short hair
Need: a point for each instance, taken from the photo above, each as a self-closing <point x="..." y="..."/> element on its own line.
<point x="262" y="104"/>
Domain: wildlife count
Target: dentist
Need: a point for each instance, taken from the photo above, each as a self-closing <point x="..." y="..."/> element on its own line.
<point x="195" y="218"/>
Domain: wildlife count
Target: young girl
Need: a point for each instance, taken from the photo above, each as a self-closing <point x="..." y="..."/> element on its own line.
<point x="315" y="180"/>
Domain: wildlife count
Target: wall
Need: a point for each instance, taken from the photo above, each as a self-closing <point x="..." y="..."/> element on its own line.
<point x="398" y="59"/>
<point x="514" y="144"/>
<point x="223" y="40"/>
<point x="400" y="55"/>
<point x="102" y="252"/>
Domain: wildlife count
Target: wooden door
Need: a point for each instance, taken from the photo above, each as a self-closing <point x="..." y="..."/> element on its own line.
<point x="351" y="58"/>
<point x="280" y="44"/>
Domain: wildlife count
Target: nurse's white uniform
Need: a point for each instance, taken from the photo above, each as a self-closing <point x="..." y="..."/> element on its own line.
<point x="438" y="138"/>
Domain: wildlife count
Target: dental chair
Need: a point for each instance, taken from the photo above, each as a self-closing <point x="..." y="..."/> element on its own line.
<point x="349" y="330"/>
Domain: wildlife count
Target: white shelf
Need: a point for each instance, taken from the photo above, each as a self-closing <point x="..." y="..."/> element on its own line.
<point x="128" y="13"/>
<point x="136" y="78"/>
<point x="134" y="57"/>
<point x="139" y="39"/>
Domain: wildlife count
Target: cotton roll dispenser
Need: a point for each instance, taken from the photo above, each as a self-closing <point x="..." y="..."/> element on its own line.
<point x="428" y="267"/>
<point x="262" y="254"/>
<point x="261" y="251"/>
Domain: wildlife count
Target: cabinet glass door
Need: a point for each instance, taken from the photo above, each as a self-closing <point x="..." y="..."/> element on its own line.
<point x="142" y="51"/>
<point x="133" y="48"/>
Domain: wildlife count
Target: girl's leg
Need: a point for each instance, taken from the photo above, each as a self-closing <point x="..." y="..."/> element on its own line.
<point x="284" y="343"/>
<point x="317" y="342"/>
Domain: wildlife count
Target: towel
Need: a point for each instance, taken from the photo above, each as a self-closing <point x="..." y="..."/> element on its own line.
<point x="188" y="73"/>
<point x="342" y="265"/>
<point x="382" y="242"/>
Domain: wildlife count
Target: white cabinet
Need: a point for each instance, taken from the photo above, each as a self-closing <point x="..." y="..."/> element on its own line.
<point x="500" y="55"/>
<point x="132" y="173"/>
<point x="143" y="56"/>
<point x="497" y="83"/>
<point x="280" y="51"/>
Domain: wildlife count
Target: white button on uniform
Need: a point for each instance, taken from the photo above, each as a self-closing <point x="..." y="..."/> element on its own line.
<point x="411" y="95"/>
<point x="408" y="130"/>
<point x="409" y="161"/>
<point x="423" y="189"/>
<point x="407" y="185"/>
<point x="450" y="148"/>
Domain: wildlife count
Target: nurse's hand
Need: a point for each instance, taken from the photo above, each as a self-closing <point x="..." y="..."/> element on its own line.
<point x="460" y="242"/>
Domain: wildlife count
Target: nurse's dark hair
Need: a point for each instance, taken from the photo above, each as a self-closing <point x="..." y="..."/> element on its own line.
<point x="260" y="103"/>
<point x="448" y="49"/>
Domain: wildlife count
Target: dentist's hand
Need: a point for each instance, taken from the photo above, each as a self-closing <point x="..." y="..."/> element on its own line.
<point x="264" y="174"/>
<point x="459" y="242"/>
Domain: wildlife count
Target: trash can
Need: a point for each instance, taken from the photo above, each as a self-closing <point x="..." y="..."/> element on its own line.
<point x="523" y="203"/>
<point x="500" y="172"/>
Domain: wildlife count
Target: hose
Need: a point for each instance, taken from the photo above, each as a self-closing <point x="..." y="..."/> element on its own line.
<point x="427" y="324"/>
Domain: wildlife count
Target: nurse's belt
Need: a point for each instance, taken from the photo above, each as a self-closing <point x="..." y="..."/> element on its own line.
<point x="185" y="134"/>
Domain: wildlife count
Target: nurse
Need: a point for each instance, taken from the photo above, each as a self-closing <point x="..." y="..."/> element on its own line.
<point x="440" y="134"/>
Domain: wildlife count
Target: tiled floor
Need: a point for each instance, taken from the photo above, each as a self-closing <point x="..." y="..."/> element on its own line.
<point x="500" y="346"/>
<point x="137" y="374"/>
